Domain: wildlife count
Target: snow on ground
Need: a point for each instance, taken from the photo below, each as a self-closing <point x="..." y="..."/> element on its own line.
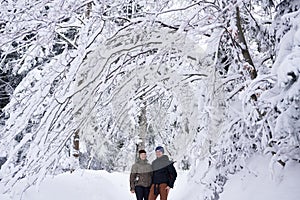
<point x="253" y="183"/>
<point x="81" y="185"/>
<point x="258" y="182"/>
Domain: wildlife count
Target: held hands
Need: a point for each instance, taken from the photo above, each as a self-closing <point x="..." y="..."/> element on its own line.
<point x="132" y="191"/>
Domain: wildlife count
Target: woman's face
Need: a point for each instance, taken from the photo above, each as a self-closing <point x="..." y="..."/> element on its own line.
<point x="143" y="156"/>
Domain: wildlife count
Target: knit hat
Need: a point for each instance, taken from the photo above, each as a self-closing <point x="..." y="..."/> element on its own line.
<point x="142" y="151"/>
<point x="160" y="148"/>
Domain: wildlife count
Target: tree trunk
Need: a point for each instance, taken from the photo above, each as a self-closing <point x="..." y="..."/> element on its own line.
<point x="142" y="129"/>
<point x="88" y="10"/>
<point x="243" y="45"/>
<point x="76" y="144"/>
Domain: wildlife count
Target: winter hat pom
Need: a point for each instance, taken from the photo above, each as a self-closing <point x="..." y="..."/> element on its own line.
<point x="160" y="148"/>
<point x="142" y="151"/>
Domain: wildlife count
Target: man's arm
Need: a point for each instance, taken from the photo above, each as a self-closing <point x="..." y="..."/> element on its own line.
<point x="172" y="175"/>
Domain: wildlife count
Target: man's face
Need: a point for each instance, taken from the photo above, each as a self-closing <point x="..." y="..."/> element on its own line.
<point x="143" y="156"/>
<point x="158" y="154"/>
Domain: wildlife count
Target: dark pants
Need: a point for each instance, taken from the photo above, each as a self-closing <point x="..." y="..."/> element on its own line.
<point x="142" y="193"/>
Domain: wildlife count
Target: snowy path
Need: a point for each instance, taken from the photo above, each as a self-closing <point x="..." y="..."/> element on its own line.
<point x="91" y="185"/>
<point x="254" y="183"/>
<point x="86" y="184"/>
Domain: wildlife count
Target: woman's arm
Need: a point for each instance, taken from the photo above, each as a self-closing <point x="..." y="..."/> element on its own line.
<point x="132" y="177"/>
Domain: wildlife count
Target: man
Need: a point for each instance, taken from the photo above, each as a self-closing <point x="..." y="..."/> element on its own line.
<point x="164" y="175"/>
<point x="140" y="177"/>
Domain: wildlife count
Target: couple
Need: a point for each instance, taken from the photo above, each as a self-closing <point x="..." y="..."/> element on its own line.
<point x="148" y="181"/>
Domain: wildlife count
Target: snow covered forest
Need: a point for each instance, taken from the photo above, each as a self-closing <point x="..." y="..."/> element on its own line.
<point x="84" y="84"/>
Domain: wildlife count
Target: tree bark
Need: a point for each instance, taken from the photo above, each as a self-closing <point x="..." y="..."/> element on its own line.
<point x="142" y="129"/>
<point x="76" y="144"/>
<point x="88" y="10"/>
<point x="243" y="45"/>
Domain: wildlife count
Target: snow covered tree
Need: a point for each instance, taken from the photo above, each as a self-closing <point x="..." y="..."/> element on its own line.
<point x="91" y="68"/>
<point x="252" y="122"/>
<point x="89" y="84"/>
<point x="280" y="103"/>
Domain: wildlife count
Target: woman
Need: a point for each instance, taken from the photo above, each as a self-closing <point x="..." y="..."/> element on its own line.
<point x="141" y="176"/>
